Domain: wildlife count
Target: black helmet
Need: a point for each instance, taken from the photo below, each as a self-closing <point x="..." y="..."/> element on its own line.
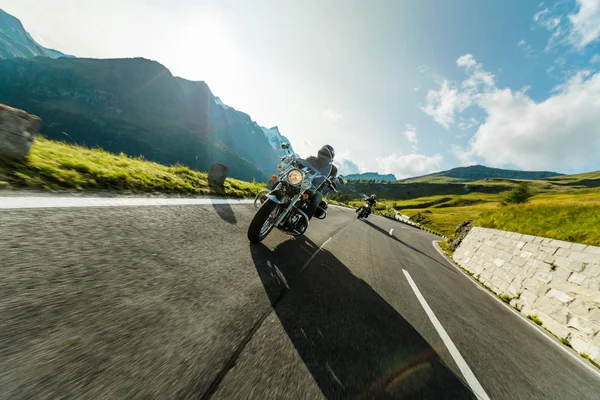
<point x="373" y="196"/>
<point x="327" y="151"/>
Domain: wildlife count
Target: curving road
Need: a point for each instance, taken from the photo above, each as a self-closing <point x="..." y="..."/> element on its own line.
<point x="171" y="301"/>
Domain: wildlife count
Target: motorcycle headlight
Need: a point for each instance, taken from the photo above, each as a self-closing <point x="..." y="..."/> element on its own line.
<point x="306" y="184"/>
<point x="295" y="177"/>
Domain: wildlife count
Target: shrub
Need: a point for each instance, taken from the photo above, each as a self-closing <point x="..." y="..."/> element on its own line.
<point x="519" y="195"/>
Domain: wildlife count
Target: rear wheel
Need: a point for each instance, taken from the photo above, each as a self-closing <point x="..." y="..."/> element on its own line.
<point x="263" y="221"/>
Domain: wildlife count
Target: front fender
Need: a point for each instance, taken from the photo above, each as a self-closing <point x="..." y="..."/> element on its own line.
<point x="273" y="198"/>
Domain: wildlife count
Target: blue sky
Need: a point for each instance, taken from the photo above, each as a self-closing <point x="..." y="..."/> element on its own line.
<point x="407" y="87"/>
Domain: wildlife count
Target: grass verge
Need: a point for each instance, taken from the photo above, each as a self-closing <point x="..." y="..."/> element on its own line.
<point x="56" y="166"/>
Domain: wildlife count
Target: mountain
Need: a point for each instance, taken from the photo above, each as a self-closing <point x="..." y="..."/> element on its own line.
<point x="371" y="176"/>
<point x="276" y="139"/>
<point x="15" y="41"/>
<point x="136" y="106"/>
<point x="477" y="172"/>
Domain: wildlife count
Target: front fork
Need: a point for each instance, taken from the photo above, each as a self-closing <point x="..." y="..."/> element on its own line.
<point x="288" y="209"/>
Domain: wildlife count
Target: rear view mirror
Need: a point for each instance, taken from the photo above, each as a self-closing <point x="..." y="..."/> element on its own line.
<point x="285" y="145"/>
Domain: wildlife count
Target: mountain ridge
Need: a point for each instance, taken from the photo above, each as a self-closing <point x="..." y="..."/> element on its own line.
<point x="476" y="172"/>
<point x="15" y="41"/>
<point x="136" y="106"/>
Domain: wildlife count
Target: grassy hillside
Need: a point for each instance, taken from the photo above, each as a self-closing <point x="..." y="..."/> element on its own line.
<point x="58" y="166"/>
<point x="565" y="207"/>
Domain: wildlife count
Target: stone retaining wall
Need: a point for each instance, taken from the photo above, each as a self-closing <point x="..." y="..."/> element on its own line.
<point x="557" y="281"/>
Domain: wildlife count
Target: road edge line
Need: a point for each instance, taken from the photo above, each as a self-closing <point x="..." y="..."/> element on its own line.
<point x="576" y="356"/>
<point x="40" y="202"/>
<point x="458" y="358"/>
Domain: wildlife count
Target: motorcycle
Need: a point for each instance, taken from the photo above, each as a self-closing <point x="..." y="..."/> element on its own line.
<point x="364" y="211"/>
<point x="284" y="205"/>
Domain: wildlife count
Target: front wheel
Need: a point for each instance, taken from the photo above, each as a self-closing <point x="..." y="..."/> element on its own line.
<point x="263" y="221"/>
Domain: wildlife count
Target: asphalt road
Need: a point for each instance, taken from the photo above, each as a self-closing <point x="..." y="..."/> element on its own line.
<point x="173" y="302"/>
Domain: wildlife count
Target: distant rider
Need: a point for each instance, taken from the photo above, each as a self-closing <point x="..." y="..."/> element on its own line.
<point x="372" y="200"/>
<point x="324" y="163"/>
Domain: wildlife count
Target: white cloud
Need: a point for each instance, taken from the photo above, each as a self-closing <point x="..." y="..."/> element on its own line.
<point x="464" y="156"/>
<point x="346" y="166"/>
<point x="333" y="116"/>
<point x="595" y="59"/>
<point x="466" y="60"/>
<point x="405" y="166"/>
<point x="465" y="124"/>
<point x="540" y="14"/>
<point x="521" y="43"/>
<point x="411" y="134"/>
<point x="558" y="133"/>
<point x="585" y="23"/>
<point x="444" y="103"/>
<point x="416" y="89"/>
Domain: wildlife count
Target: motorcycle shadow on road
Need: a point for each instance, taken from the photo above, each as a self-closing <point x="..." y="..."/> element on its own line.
<point x="354" y="343"/>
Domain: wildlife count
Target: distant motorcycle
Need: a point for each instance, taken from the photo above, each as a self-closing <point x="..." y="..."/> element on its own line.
<point x="364" y="211"/>
<point x="284" y="205"/>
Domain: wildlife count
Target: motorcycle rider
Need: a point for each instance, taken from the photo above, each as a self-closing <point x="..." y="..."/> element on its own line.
<point x="372" y="202"/>
<point x="324" y="164"/>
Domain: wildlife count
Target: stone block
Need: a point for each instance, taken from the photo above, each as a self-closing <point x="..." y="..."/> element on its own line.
<point x="217" y="174"/>
<point x="513" y="291"/>
<point x="594" y="315"/>
<point x="531" y="247"/>
<point x="576" y="266"/>
<point x="557" y="328"/>
<point x="578" y="246"/>
<point x="577" y="279"/>
<point x="549" y="259"/>
<point x="538" y="239"/>
<point x="526" y="254"/>
<point x="499" y="262"/>
<point x="579" y="307"/>
<point x="583" y="326"/>
<point x="583" y="257"/>
<point x="561" y="243"/>
<point x="535" y="286"/>
<point x="593" y="284"/>
<point x="17" y="132"/>
<point x="562" y="262"/>
<point x="593" y="250"/>
<point x="547" y="250"/>
<point x="580" y="344"/>
<point x="527" y="238"/>
<point x="562" y="252"/>
<point x="528" y="298"/>
<point x="518" y="261"/>
<point x="565" y="286"/>
<point x="541" y="266"/>
<point x="547" y="305"/>
<point x="560" y="296"/>
<point x="543" y="277"/>
<point x="563" y="273"/>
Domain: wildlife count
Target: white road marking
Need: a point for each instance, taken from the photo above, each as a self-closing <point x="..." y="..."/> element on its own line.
<point x="535" y="327"/>
<point x="460" y="361"/>
<point x="313" y="256"/>
<point x="67" y="202"/>
<point x="392" y="232"/>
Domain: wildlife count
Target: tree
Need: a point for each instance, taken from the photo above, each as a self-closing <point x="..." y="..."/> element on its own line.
<point x="519" y="194"/>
